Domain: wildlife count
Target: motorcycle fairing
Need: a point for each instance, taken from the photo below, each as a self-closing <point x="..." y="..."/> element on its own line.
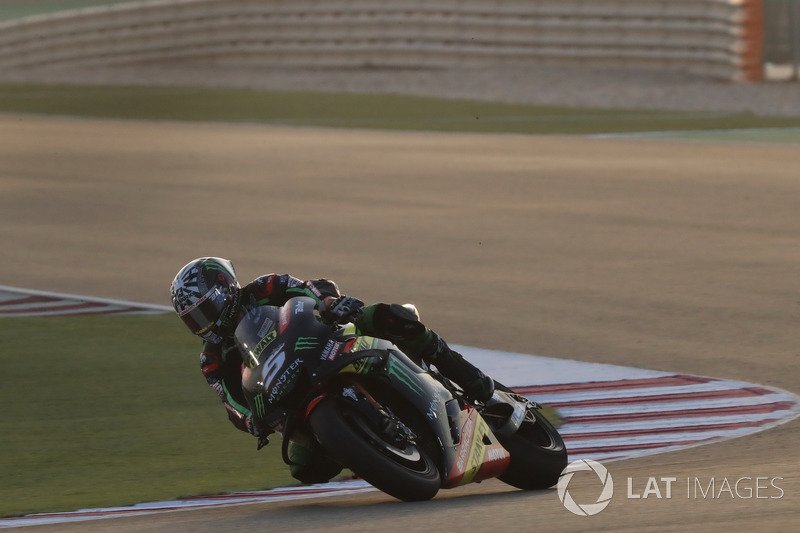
<point x="471" y="452"/>
<point x="277" y="344"/>
<point x="282" y="344"/>
<point x="479" y="454"/>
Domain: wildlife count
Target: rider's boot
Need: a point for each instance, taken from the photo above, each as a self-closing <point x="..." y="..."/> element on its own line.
<point x="477" y="385"/>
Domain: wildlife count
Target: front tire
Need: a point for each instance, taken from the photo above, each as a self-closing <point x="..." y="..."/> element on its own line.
<point x="407" y="473"/>
<point x="538" y="454"/>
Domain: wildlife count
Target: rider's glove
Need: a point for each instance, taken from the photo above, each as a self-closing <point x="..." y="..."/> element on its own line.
<point x="261" y="434"/>
<point x="341" y="310"/>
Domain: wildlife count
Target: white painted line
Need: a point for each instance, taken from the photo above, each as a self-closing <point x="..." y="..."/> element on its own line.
<point x="242" y="498"/>
<point x="48" y="304"/>
<point x="759" y="136"/>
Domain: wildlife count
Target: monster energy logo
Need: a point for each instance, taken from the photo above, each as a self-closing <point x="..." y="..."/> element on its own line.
<point x="260" y="410"/>
<point x="406" y="376"/>
<point x="306" y="343"/>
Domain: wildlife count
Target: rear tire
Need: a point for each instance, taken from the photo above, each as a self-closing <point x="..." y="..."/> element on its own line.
<point x="538" y="454"/>
<point x="407" y="473"/>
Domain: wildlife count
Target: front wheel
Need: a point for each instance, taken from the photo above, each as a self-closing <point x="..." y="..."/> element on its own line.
<point x="404" y="471"/>
<point x="538" y="454"/>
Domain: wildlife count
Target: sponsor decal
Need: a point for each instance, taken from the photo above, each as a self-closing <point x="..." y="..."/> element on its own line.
<point x="213" y="265"/>
<point x="281" y="384"/>
<point x="284" y="319"/>
<point x="314" y="290"/>
<point x="219" y="389"/>
<point x="272" y="365"/>
<point x="496" y="453"/>
<point x="306" y="343"/>
<point x="330" y="352"/>
<point x="477" y="450"/>
<point x="466" y="442"/>
<point x="359" y="366"/>
<point x="433" y="408"/>
<point x="265" y="327"/>
<point x="259" y="348"/>
<point x="473" y="454"/>
<point x="359" y="344"/>
<point x="258" y="401"/>
<point x="404" y="375"/>
<point x="349" y="392"/>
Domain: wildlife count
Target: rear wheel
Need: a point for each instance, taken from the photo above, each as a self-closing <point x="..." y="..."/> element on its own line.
<point x="402" y="469"/>
<point x="538" y="454"/>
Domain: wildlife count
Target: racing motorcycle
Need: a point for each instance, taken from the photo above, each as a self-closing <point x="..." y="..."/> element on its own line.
<point x="397" y="424"/>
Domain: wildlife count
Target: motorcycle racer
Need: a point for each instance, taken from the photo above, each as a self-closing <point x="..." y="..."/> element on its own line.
<point x="208" y="298"/>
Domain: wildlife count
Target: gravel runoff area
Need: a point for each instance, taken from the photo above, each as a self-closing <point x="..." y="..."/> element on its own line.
<point x="545" y="84"/>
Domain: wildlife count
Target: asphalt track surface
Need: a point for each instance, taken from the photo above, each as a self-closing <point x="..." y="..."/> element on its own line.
<point x="657" y="254"/>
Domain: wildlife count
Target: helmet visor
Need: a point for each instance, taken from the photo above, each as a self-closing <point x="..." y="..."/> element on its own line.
<point x="205" y="313"/>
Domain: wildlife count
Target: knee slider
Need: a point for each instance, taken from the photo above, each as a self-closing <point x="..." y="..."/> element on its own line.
<point x="407" y="312"/>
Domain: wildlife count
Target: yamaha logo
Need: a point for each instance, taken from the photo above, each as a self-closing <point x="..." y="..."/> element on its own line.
<point x="587" y="509"/>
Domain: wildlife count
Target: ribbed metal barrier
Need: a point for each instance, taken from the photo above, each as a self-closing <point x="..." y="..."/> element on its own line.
<point x="718" y="38"/>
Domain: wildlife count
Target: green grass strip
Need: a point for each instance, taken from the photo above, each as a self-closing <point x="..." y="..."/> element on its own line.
<point x="113" y="410"/>
<point x="365" y="111"/>
<point x="106" y="411"/>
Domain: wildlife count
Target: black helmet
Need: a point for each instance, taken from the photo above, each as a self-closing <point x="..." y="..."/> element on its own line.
<point x="205" y="295"/>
